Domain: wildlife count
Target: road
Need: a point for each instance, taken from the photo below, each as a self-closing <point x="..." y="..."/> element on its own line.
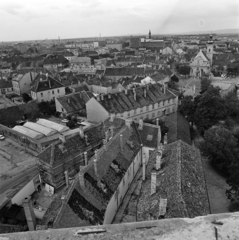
<point x="8" y="184"/>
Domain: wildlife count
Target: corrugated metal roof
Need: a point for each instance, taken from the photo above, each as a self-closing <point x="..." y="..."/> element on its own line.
<point x="39" y="128"/>
<point x="28" y="132"/>
<point x="56" y="126"/>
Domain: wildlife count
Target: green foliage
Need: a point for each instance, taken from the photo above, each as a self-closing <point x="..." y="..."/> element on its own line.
<point x="183" y="69"/>
<point x="47" y="108"/>
<point x="232" y="104"/>
<point x="174" y="78"/>
<point x="26" y="98"/>
<point x="220" y="147"/>
<point x="210" y="108"/>
<point x="187" y="108"/>
<point x="205" y="83"/>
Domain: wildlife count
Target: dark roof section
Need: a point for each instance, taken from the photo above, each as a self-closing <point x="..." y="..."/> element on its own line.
<point x="5" y="84"/>
<point x="43" y="83"/>
<point x="122" y="101"/>
<point x="179" y="128"/>
<point x="93" y="199"/>
<point x="75" y="101"/>
<point x="124" y="71"/>
<point x="150" y="135"/>
<point x="54" y="59"/>
<point x="180" y="181"/>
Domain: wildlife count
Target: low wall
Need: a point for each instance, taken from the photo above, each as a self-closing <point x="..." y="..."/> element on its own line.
<point x="18" y="137"/>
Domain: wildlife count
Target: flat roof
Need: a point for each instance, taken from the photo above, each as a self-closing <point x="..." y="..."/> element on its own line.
<point x="28" y="132"/>
<point x="40" y="128"/>
<point x="56" y="126"/>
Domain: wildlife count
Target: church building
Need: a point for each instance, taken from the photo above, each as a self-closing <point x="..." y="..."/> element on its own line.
<point x="201" y="64"/>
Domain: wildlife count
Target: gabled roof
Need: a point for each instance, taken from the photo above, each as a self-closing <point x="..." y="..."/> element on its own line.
<point x="121" y="102"/>
<point x="124" y="71"/>
<point x="44" y="83"/>
<point x="75" y="101"/>
<point x="54" y="59"/>
<point x="93" y="199"/>
<point x="180" y="181"/>
<point x="81" y="60"/>
<point x="150" y="135"/>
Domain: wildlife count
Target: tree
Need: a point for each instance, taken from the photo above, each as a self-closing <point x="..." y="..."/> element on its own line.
<point x="174" y="78"/>
<point x="187" y="108"/>
<point x="26" y="98"/>
<point x="232" y="103"/>
<point x="220" y="147"/>
<point x="205" y="83"/>
<point x="210" y="108"/>
<point x="71" y="124"/>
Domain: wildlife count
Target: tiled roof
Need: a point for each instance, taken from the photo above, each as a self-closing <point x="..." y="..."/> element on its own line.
<point x="100" y="81"/>
<point x="124" y="71"/>
<point x="121" y="102"/>
<point x="152" y="44"/>
<point x="44" y="83"/>
<point x="205" y="55"/>
<point x="93" y="198"/>
<point x="150" y="135"/>
<point x="5" y="84"/>
<point x="179" y="128"/>
<point x="75" y="101"/>
<point x="180" y="181"/>
<point x="54" y="59"/>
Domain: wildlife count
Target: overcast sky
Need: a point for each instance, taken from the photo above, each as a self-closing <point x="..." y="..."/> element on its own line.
<point x="31" y="19"/>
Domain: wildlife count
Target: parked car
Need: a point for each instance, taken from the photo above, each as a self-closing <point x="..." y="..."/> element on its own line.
<point x="2" y="137"/>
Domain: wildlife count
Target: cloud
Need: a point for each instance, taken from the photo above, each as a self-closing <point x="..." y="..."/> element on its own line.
<point x="13" y="9"/>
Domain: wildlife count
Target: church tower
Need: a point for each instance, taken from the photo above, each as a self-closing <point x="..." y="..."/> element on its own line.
<point x="149" y="34"/>
<point x="210" y="48"/>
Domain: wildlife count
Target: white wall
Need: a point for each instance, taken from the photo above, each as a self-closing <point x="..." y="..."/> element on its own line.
<point x="146" y="152"/>
<point x="23" y="193"/>
<point x="95" y="111"/>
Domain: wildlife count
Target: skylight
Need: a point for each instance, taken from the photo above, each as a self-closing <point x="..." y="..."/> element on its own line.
<point x="149" y="137"/>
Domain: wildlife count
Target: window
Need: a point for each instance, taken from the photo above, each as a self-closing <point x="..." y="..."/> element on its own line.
<point x="62" y="109"/>
<point x="147" y="108"/>
<point x="152" y="106"/>
<point x="58" y="91"/>
<point x="128" y="114"/>
<point x="41" y="94"/>
<point x="159" y="113"/>
<point x="53" y="92"/>
<point x="153" y="115"/>
<point x="147" y="116"/>
<point x="141" y="110"/>
<point x="135" y="111"/>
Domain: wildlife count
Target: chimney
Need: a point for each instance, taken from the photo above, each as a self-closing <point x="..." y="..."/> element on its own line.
<point x="95" y="166"/>
<point x="141" y="124"/>
<point x="106" y="136"/>
<point x="121" y="142"/>
<point x="164" y="89"/>
<point x="66" y="178"/>
<point x="128" y="122"/>
<point x="159" y="154"/>
<point x="165" y="140"/>
<point x="112" y="131"/>
<point x="68" y="100"/>
<point x="134" y="96"/>
<point x="112" y="117"/>
<point x="102" y="97"/>
<point x="145" y="92"/>
<point x="62" y="138"/>
<point x="144" y="167"/>
<point x="157" y="121"/>
<point x="109" y="96"/>
<point x="47" y="75"/>
<point x="125" y="91"/>
<point x="81" y="131"/>
<point x="82" y="180"/>
<point x="98" y="98"/>
<point x="86" y="158"/>
<point x="105" y="144"/>
<point x="153" y="182"/>
<point x="29" y="213"/>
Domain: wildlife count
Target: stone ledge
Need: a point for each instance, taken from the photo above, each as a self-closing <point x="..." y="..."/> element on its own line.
<point x="204" y="227"/>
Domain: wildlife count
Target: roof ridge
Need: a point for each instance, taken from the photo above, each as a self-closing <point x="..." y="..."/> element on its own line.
<point x="179" y="172"/>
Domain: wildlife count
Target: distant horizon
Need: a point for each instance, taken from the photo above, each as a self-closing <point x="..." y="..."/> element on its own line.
<point x="138" y="34"/>
<point x="26" y="19"/>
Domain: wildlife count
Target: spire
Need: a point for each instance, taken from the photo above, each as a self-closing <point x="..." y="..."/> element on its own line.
<point x="149" y="34"/>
